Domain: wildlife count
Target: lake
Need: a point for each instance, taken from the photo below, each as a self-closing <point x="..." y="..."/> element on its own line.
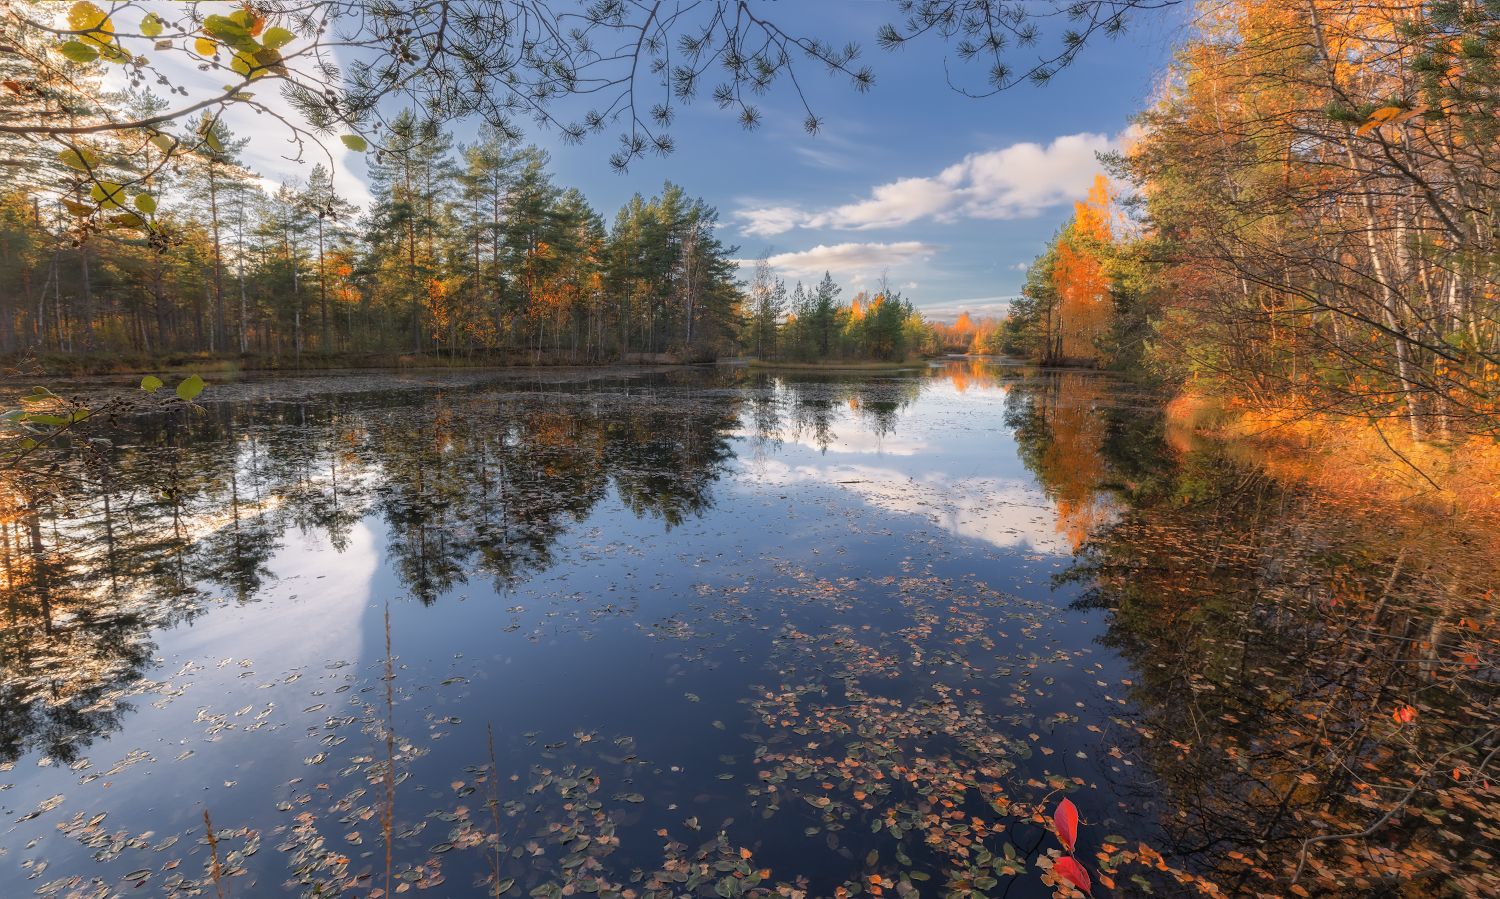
<point x="728" y="632"/>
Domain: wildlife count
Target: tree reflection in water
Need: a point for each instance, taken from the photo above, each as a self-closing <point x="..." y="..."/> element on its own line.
<point x="103" y="547"/>
<point x="1301" y="667"/>
<point x="1316" y="682"/>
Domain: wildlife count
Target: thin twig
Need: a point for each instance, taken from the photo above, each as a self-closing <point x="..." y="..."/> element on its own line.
<point x="388" y="812"/>
<point x="215" y="870"/>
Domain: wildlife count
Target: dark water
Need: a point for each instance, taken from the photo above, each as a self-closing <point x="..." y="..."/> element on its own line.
<point x="723" y="633"/>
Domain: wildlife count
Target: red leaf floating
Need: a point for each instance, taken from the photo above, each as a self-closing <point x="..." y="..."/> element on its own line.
<point x="1070" y="870"/>
<point x="1065" y="822"/>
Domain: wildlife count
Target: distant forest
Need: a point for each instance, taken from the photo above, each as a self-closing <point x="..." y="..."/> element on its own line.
<point x="465" y="247"/>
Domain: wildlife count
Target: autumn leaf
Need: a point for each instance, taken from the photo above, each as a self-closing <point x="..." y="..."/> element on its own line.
<point x="93" y="21"/>
<point x="1379" y="117"/>
<point x="1065" y="823"/>
<point x="1070" y="870"/>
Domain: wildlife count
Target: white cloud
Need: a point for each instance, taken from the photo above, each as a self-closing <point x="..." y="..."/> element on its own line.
<point x="849" y="258"/>
<point x="769" y="220"/>
<point x="1017" y="181"/>
<point x="898" y="203"/>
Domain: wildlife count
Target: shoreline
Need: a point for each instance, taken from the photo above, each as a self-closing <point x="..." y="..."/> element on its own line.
<point x="81" y="365"/>
<point x="850" y="366"/>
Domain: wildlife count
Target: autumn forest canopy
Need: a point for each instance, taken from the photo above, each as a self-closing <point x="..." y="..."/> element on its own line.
<point x="1304" y="222"/>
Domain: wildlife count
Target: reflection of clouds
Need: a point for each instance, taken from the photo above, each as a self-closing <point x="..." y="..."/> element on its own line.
<point x="849" y="440"/>
<point x="315" y="617"/>
<point x="1005" y="513"/>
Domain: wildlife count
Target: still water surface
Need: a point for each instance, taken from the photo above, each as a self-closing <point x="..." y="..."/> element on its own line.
<point x="720" y="632"/>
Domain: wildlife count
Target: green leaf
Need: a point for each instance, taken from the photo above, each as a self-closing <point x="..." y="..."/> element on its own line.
<point x="78" y="158"/>
<point x="213" y="141"/>
<point x="78" y="51"/>
<point x="125" y="220"/>
<point x="228" y="31"/>
<point x="108" y="194"/>
<point x="191" y="386"/>
<point x="48" y="419"/>
<point x="151" y="26"/>
<point x="355" y="143"/>
<point x="276" y="37"/>
<point x="151" y="383"/>
<point x="164" y="143"/>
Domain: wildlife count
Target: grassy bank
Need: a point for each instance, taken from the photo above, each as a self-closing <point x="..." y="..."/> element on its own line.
<point x="1377" y="462"/>
<point x="79" y="364"/>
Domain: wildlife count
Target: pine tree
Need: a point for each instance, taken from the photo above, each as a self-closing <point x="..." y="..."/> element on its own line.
<point x="823" y="314"/>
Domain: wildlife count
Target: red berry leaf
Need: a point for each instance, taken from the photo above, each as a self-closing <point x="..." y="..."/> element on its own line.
<point x="1070" y="870"/>
<point x="1065" y="822"/>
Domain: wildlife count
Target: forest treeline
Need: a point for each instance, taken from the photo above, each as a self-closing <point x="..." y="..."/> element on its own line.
<point x="465" y="247"/>
<point x="1310" y="225"/>
<point x="810" y="323"/>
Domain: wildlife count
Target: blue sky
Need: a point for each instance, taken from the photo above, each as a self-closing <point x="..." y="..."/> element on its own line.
<point x="886" y="183"/>
<point x="951" y="195"/>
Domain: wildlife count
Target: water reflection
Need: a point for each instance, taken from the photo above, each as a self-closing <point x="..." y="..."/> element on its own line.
<point x="1316" y="676"/>
<point x="1061" y="425"/>
<point x="863" y="667"/>
<point x="111" y="546"/>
